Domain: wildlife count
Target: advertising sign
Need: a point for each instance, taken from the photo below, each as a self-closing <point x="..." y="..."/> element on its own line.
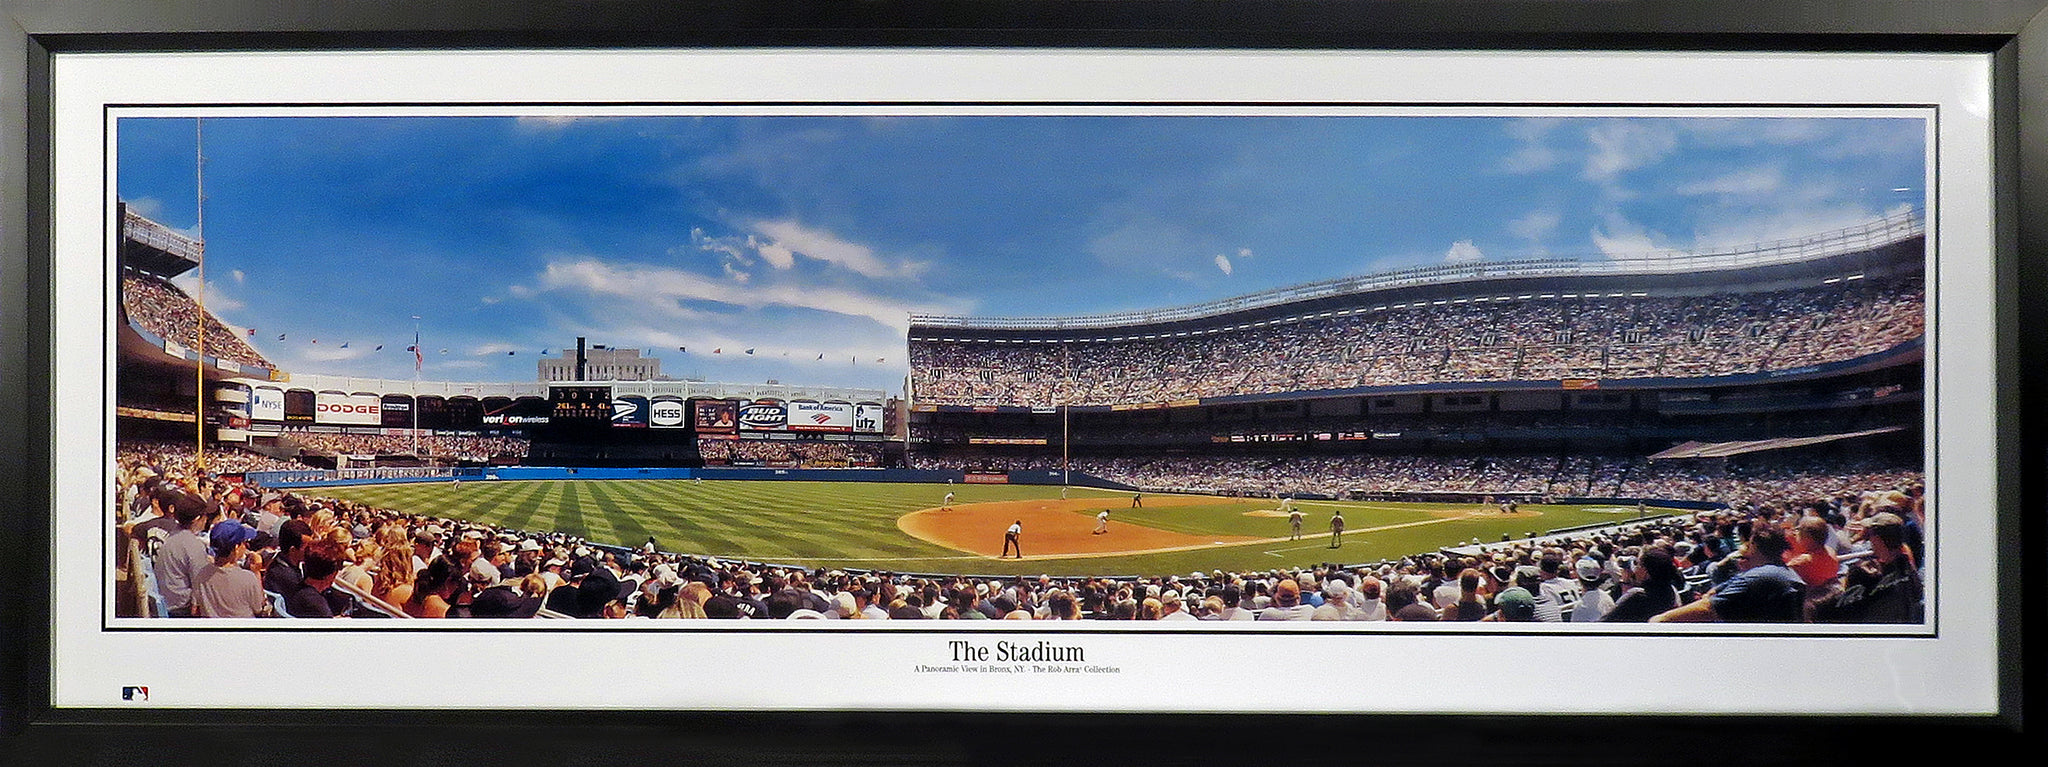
<point x="629" y="412"/>
<point x="805" y="415"/>
<point x="397" y="411"/>
<point x="355" y="410"/>
<point x="867" y="418"/>
<point x="764" y="415"/>
<point x="266" y="403"/>
<point x="525" y="411"/>
<point x="667" y="413"/>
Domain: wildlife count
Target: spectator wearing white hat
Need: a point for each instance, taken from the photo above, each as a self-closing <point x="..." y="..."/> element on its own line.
<point x="1594" y="601"/>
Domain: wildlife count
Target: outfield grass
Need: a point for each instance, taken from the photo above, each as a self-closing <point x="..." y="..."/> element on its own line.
<point x="854" y="524"/>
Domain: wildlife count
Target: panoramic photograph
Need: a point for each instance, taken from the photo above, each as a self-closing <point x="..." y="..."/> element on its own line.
<point x="1339" y="366"/>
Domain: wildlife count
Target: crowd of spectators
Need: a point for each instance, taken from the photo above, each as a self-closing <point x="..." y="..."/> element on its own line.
<point x="1735" y="479"/>
<point x="221" y="458"/>
<point x="474" y="449"/>
<point x="804" y="454"/>
<point x="216" y="548"/>
<point x="168" y="313"/>
<point x="1453" y="340"/>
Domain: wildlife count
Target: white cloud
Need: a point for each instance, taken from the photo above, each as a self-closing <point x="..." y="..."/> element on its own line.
<point x="1535" y="225"/>
<point x="1741" y="231"/>
<point x="240" y="278"/>
<point x="329" y="352"/>
<point x="458" y="364"/>
<point x="1244" y="252"/>
<point x="776" y="255"/>
<point x="216" y="300"/>
<point x="1223" y="264"/>
<point x="519" y="291"/>
<point x="1620" y="237"/>
<point x="146" y="207"/>
<point x="671" y="290"/>
<point x="1149" y="245"/>
<point x="824" y="246"/>
<point x="1463" y="252"/>
<point x="556" y="122"/>
<point x="1745" y="182"/>
<point x="1533" y="152"/>
<point x="1619" y="146"/>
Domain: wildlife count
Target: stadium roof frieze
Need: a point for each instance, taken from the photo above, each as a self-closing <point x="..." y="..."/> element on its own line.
<point x="319" y="382"/>
<point x="1666" y="269"/>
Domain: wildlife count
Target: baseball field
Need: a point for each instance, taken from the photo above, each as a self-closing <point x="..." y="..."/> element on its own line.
<point x="909" y="527"/>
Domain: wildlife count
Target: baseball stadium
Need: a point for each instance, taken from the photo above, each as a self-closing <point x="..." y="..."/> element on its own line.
<point x="1555" y="439"/>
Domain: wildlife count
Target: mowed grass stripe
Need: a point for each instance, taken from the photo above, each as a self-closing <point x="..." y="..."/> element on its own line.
<point x="522" y="509"/>
<point x="626" y="529"/>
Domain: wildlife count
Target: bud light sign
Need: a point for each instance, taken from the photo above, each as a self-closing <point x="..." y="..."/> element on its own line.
<point x="766" y="415"/>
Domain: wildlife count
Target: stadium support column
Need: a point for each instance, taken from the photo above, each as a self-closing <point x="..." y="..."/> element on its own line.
<point x="580" y="358"/>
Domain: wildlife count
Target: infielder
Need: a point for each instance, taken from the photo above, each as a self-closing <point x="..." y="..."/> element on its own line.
<point x="1102" y="522"/>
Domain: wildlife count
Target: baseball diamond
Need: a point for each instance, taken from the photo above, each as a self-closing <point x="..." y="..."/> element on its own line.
<point x="893" y="526"/>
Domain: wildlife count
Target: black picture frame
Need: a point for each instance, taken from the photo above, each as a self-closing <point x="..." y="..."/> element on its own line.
<point x="2016" y="31"/>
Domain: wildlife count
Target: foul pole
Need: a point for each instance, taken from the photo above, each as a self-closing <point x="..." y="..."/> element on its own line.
<point x="199" y="231"/>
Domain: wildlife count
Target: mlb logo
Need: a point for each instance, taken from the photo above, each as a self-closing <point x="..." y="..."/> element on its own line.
<point x="135" y="693"/>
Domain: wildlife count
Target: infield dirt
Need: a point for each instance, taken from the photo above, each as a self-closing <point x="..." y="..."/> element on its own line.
<point x="1052" y="528"/>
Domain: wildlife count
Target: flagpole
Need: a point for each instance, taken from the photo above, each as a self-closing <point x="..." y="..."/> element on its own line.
<point x="199" y="228"/>
<point x="417" y="356"/>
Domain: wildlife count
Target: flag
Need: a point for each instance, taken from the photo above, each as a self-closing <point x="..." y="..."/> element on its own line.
<point x="444" y="351"/>
<point x="508" y="354"/>
<point x="684" y="349"/>
<point x="280" y="336"/>
<point x="316" y="342"/>
<point x="380" y="347"/>
<point x="252" y="332"/>
<point x="821" y="355"/>
<point x="344" y="344"/>
<point x="418" y="358"/>
<point x="719" y="350"/>
<point x="545" y="352"/>
<point x="750" y="351"/>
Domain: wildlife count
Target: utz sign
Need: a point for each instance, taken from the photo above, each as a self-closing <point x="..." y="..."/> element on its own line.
<point x="867" y="418"/>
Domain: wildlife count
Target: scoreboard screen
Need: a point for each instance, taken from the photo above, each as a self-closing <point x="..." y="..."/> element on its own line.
<point x="580" y="405"/>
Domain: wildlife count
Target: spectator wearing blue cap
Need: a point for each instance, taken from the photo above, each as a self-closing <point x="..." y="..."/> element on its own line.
<point x="224" y="588"/>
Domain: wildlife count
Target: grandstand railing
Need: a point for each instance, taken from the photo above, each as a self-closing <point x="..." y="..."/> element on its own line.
<point x="155" y="235"/>
<point x="1888" y="230"/>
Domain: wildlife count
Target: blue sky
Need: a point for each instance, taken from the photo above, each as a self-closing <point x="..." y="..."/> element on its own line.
<point x="805" y="236"/>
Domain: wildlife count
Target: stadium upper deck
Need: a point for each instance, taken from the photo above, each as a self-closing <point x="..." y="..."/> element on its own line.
<point x="1850" y="299"/>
